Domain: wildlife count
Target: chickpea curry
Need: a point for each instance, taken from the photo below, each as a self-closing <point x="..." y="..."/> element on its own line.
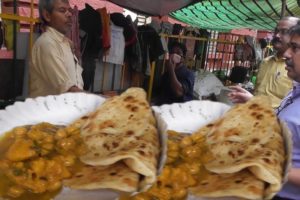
<point x="35" y="159"/>
<point x="184" y="168"/>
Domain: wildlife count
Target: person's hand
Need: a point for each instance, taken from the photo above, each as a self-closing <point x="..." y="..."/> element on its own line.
<point x="170" y="66"/>
<point x="239" y="95"/>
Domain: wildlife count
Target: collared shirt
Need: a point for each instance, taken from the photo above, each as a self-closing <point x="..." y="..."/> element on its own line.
<point x="289" y="112"/>
<point x="272" y="80"/>
<point x="54" y="68"/>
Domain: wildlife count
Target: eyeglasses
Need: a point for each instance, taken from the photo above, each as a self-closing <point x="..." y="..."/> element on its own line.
<point x="288" y="102"/>
<point x="281" y="31"/>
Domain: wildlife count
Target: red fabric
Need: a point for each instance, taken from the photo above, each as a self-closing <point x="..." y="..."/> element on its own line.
<point x="74" y="34"/>
<point x="105" y="28"/>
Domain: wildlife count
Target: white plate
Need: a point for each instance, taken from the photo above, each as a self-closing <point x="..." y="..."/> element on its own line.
<point x="62" y="110"/>
<point x="190" y="116"/>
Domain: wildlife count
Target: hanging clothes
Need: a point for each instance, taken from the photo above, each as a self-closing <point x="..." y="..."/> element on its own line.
<point x="164" y="44"/>
<point x="151" y="45"/>
<point x="105" y="19"/>
<point x="166" y="27"/>
<point x="244" y="51"/>
<point x="133" y="54"/>
<point x="190" y="43"/>
<point x="74" y="34"/>
<point x="117" y="46"/>
<point x="90" y="22"/>
<point x="200" y="46"/>
<point x="90" y="30"/>
<point x="126" y="23"/>
<point x="177" y="30"/>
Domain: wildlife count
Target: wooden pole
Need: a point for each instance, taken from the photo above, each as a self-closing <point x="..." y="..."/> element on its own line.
<point x="151" y="81"/>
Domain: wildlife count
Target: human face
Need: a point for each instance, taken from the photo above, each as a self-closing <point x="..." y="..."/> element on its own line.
<point x="281" y="36"/>
<point x="179" y="52"/>
<point x="61" y="16"/>
<point x="292" y="56"/>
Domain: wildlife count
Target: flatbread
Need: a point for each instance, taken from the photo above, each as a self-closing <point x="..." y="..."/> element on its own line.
<point x="117" y="176"/>
<point x="124" y="128"/>
<point x="241" y="184"/>
<point x="248" y="136"/>
<point x="78" y="124"/>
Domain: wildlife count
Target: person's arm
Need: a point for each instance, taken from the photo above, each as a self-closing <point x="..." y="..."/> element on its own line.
<point x="239" y="95"/>
<point x="74" y="88"/>
<point x="175" y="84"/>
<point x="294" y="176"/>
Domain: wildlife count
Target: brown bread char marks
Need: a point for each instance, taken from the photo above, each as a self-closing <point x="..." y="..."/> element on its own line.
<point x="124" y="129"/>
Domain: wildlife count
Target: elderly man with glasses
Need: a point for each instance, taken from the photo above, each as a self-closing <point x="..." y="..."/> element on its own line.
<point x="54" y="68"/>
<point x="272" y="79"/>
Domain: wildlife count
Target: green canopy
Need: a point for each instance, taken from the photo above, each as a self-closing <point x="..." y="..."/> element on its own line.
<point x="225" y="15"/>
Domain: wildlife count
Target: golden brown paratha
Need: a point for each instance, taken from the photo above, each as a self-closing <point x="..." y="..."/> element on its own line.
<point x="77" y="124"/>
<point x="241" y="184"/>
<point x="117" y="176"/>
<point x="123" y="128"/>
<point x="249" y="136"/>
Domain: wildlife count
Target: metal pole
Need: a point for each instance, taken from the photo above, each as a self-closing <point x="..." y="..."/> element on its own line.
<point x="151" y="81"/>
<point x="14" y="61"/>
<point x="31" y="27"/>
<point x="283" y="9"/>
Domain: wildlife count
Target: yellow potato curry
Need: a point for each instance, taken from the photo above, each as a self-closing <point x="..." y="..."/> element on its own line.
<point x="35" y="159"/>
<point x="184" y="168"/>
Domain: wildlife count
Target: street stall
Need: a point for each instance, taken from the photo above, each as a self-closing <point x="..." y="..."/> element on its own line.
<point x="120" y="146"/>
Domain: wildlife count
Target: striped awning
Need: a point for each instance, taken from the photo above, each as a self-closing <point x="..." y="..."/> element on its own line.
<point x="225" y="15"/>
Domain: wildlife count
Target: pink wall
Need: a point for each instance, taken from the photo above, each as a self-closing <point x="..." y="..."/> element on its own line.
<point x="244" y="31"/>
<point x="97" y="4"/>
<point x="265" y="34"/>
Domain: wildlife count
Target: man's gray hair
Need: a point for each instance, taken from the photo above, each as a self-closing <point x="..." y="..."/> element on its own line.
<point x="45" y="5"/>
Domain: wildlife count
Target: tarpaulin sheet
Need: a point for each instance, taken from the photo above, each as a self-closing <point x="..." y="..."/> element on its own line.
<point x="153" y="7"/>
<point x="225" y="15"/>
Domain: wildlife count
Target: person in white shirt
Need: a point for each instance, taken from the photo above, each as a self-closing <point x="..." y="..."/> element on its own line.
<point x="54" y="68"/>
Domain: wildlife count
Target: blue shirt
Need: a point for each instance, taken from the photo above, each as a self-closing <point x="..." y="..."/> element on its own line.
<point x="186" y="77"/>
<point x="289" y="112"/>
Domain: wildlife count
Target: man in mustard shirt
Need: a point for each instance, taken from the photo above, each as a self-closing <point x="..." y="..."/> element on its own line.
<point x="54" y="68"/>
<point x="272" y="79"/>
